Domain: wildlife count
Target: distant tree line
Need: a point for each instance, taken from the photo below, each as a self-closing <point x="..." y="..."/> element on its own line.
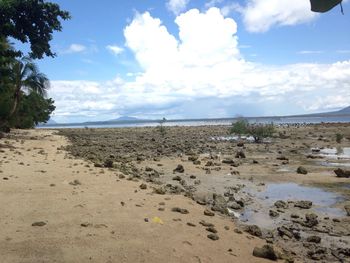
<point x="23" y="97"/>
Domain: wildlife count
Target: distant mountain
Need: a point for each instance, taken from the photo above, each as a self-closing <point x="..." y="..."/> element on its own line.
<point x="344" y="111"/>
<point x="126" y="118"/>
<point x="49" y="122"/>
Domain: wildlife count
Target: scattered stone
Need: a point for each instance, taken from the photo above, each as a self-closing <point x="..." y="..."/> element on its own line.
<point x="207" y="212"/>
<point x="75" y="182"/>
<point x="347" y="209"/>
<point x="314" y="239"/>
<point x="193" y="158"/>
<point x="311" y="220"/>
<point x="240" y="154"/>
<point x="301" y="170"/>
<point x="39" y="223"/>
<point x="146" y="220"/>
<point x="143" y="186"/>
<point x="211" y="229"/>
<point x="281" y="204"/>
<point x="303" y="204"/>
<point x="213" y="237"/>
<point x="191" y="224"/>
<point x="180" y="210"/>
<point x="179" y="169"/>
<point x="273" y="213"/>
<point x="282" y="158"/>
<point x="206" y="224"/>
<point x="177" y="178"/>
<point x="267" y="251"/>
<point x="197" y="162"/>
<point x="238" y="231"/>
<point x="159" y="190"/>
<point x="85" y="224"/>
<point x="253" y="230"/>
<point x="341" y="173"/>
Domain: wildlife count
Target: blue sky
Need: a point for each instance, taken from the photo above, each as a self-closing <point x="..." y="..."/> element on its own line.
<point x="195" y="59"/>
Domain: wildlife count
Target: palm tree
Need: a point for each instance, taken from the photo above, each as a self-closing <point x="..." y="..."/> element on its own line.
<point x="26" y="77"/>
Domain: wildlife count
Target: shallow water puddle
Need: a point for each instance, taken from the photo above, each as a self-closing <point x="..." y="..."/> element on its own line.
<point x="322" y="202"/>
<point x="334" y="164"/>
<point x="335" y="152"/>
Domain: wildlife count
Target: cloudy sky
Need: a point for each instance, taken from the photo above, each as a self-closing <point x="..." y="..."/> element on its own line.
<point x="198" y="59"/>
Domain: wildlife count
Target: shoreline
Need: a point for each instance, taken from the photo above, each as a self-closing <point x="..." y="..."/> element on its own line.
<point x="213" y="179"/>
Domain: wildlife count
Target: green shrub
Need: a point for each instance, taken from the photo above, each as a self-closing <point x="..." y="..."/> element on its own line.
<point x="257" y="131"/>
<point x="339" y="137"/>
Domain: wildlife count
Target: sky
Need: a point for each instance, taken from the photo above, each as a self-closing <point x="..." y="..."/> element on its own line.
<point x="198" y="59"/>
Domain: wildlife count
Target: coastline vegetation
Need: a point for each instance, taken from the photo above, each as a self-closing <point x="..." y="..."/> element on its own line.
<point x="23" y="97"/>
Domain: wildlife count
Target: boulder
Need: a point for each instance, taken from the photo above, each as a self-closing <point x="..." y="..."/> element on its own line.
<point x="342" y="173"/>
<point x="267" y="251"/>
<point x="301" y="170"/>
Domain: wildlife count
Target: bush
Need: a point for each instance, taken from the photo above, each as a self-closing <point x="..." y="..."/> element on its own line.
<point x="161" y="128"/>
<point x="257" y="131"/>
<point x="339" y="137"/>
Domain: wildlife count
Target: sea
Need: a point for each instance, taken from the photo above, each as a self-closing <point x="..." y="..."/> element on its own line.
<point x="203" y="122"/>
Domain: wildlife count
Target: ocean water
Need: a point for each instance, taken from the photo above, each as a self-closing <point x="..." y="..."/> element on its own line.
<point x="201" y="122"/>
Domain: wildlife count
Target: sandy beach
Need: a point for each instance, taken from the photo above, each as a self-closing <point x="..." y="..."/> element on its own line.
<point x="56" y="208"/>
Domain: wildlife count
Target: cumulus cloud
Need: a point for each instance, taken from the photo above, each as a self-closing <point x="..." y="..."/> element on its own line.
<point x="177" y="6"/>
<point x="116" y="50"/>
<point x="201" y="73"/>
<point x="74" y="48"/>
<point x="261" y="15"/>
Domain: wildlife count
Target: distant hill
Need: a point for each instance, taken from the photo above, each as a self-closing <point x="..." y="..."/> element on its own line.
<point x="49" y="122"/>
<point x="345" y="110"/>
<point x="126" y="118"/>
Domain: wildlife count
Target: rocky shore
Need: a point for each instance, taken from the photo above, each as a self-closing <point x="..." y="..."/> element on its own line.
<point x="293" y="190"/>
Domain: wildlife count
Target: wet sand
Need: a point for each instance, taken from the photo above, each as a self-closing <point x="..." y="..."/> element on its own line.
<point x="60" y="208"/>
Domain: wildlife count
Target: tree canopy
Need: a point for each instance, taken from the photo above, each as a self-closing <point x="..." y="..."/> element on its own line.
<point x="31" y="21"/>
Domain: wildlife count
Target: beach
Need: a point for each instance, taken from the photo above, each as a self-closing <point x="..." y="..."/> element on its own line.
<point x="189" y="194"/>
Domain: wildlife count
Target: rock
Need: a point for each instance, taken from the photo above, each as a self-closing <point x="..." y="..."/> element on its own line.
<point x="206" y="224"/>
<point x="211" y="229"/>
<point x="281" y="204"/>
<point x="341" y="173"/>
<point x="108" y="163"/>
<point x="273" y="213"/>
<point x="143" y="186"/>
<point x="303" y="204"/>
<point x="98" y="165"/>
<point x="347" y="209"/>
<point x="220" y="204"/>
<point x="317" y="253"/>
<point x="207" y="212"/>
<point x="85" y="224"/>
<point x="311" y="220"/>
<point x="209" y="163"/>
<point x="253" y="230"/>
<point x="177" y="178"/>
<point x="240" y="144"/>
<point x="282" y="158"/>
<point x="193" y="158"/>
<point x="301" y="170"/>
<point x="75" y="182"/>
<point x="159" y="190"/>
<point x="213" y="236"/>
<point x="228" y="161"/>
<point x="240" y="154"/>
<point x="191" y="224"/>
<point x="267" y="251"/>
<point x="197" y="162"/>
<point x="314" y="239"/>
<point x="283" y="231"/>
<point x="238" y="231"/>
<point x="180" y="210"/>
<point x="39" y="223"/>
<point x="179" y="169"/>
<point x="234" y="205"/>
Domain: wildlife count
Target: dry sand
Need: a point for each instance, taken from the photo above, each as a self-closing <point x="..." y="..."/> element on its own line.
<point x="100" y="220"/>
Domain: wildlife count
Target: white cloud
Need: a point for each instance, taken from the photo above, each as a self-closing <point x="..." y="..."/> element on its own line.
<point x="116" y="50"/>
<point x="177" y="6"/>
<point x="307" y="52"/>
<point x="261" y="15"/>
<point x="74" y="48"/>
<point x="201" y="72"/>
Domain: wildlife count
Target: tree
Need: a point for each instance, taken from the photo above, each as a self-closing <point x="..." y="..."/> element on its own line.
<point x="322" y="6"/>
<point x="240" y="127"/>
<point x="32" y="110"/>
<point x="32" y="21"/>
<point x="26" y="78"/>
